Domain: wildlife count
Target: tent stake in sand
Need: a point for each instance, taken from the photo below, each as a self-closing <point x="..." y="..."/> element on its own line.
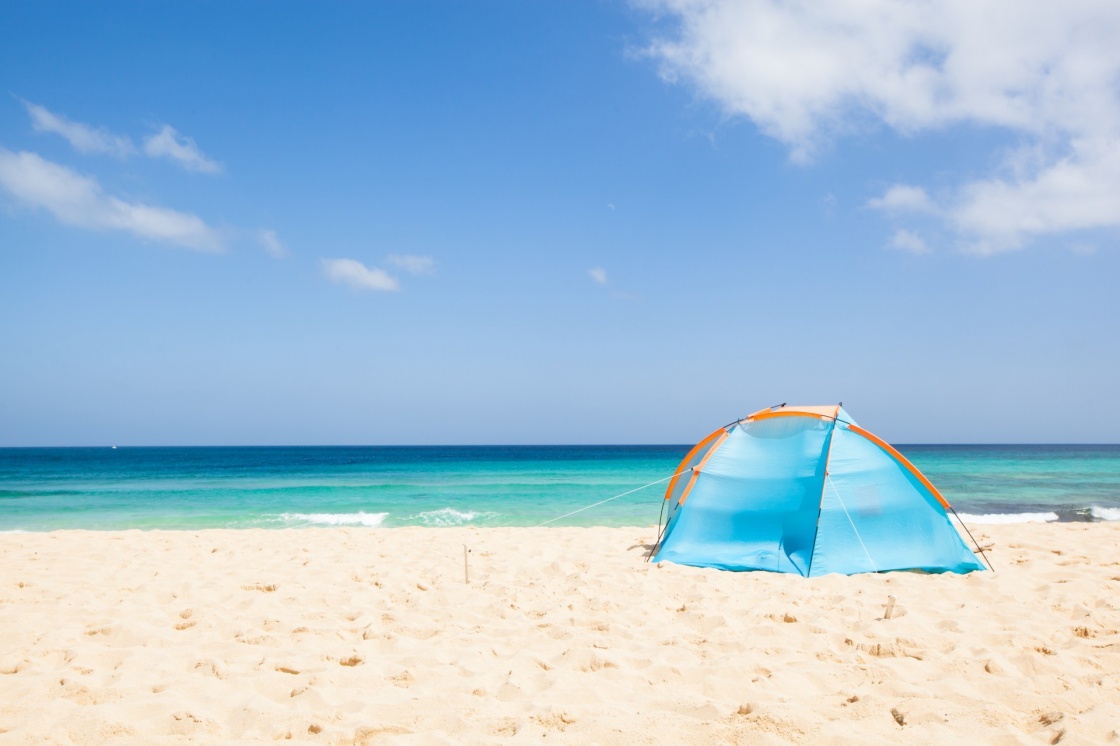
<point x="890" y="607"/>
<point x="466" y="568"/>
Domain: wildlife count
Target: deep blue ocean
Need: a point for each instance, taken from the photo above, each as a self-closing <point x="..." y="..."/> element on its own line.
<point x="279" y="487"/>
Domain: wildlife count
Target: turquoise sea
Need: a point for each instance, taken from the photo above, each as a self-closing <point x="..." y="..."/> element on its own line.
<point x="279" y="487"/>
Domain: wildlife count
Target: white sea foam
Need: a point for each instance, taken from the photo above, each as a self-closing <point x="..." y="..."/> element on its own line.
<point x="1104" y="514"/>
<point x="360" y="518"/>
<point x="997" y="518"/>
<point x="450" y="517"/>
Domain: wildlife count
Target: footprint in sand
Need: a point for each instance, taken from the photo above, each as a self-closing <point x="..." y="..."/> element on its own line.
<point x="556" y="721"/>
<point x="187" y="723"/>
<point x="404" y="680"/>
<point x="507" y="727"/>
<point x="211" y="668"/>
<point x="785" y="618"/>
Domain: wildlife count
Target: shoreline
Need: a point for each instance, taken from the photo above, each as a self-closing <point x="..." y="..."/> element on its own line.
<point x="362" y="520"/>
<point x="348" y="635"/>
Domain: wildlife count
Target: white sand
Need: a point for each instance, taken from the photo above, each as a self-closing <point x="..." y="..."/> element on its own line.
<point x="371" y="636"/>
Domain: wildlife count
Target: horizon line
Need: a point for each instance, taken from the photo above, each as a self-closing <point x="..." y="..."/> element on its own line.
<point x="498" y="445"/>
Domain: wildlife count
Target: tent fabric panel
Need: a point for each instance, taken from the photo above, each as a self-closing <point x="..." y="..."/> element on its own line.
<point x="832" y="412"/>
<point x="754" y="505"/>
<point x="877" y="515"/>
<point x="845" y="418"/>
<point x="813" y="411"/>
<point x="905" y="462"/>
<point x="682" y="476"/>
<point x="712" y="530"/>
<point x="699" y="468"/>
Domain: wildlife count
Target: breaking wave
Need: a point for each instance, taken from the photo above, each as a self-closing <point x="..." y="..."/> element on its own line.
<point x="1005" y="518"/>
<point x="450" y="517"/>
<point x="371" y="520"/>
<point x="1104" y="514"/>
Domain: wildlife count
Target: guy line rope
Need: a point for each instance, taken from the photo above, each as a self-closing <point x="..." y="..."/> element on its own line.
<point x="624" y="494"/>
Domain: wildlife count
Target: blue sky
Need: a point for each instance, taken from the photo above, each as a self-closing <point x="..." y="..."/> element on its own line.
<point x="556" y="222"/>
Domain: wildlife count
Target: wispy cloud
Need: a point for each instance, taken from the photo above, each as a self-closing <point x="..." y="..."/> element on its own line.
<point x="828" y="205"/>
<point x="82" y="137"/>
<point x="79" y="201"/>
<point x="168" y="143"/>
<point x="808" y="74"/>
<point x="903" y="198"/>
<point x="358" y="276"/>
<point x="271" y="243"/>
<point x="417" y="265"/>
<point x="909" y="242"/>
<point x="598" y="274"/>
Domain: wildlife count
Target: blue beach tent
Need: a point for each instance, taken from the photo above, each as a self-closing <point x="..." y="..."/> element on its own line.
<point x="805" y="490"/>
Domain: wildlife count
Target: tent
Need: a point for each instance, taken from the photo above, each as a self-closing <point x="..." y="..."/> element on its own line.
<point x="806" y="490"/>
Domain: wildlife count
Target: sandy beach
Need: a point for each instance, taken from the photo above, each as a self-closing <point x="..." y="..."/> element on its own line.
<point x="373" y="636"/>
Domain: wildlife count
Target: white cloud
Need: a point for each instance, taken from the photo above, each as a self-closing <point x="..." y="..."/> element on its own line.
<point x="909" y="242"/>
<point x="357" y="275"/>
<point x="1077" y="192"/>
<point x="598" y="274"/>
<point x="80" y="201"/>
<point x="272" y="244"/>
<point x="808" y="72"/>
<point x="168" y="143"/>
<point x="417" y="265"/>
<point x="82" y="137"/>
<point x="904" y="198"/>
